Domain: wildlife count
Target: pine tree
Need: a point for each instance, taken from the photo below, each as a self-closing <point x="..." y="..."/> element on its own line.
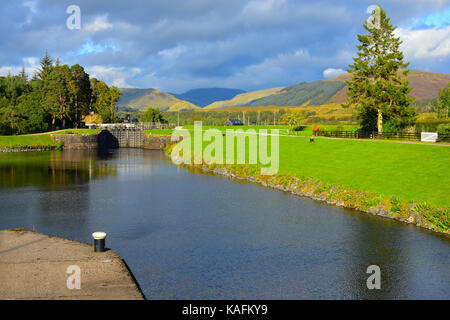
<point x="379" y="87"/>
<point x="46" y="67"/>
<point x="23" y="74"/>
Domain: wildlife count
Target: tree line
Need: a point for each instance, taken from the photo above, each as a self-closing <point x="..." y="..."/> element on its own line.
<point x="56" y="97"/>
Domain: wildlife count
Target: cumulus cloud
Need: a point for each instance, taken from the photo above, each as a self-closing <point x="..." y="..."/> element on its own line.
<point x="30" y="64"/>
<point x="247" y="44"/>
<point x="425" y="43"/>
<point x="116" y="76"/>
<point x="100" y="23"/>
<point x="332" y="72"/>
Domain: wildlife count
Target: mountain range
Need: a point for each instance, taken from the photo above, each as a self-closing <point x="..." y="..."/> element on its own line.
<point x="205" y="96"/>
<point x="425" y="85"/>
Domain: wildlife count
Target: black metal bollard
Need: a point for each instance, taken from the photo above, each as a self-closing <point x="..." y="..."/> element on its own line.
<point x="99" y="241"/>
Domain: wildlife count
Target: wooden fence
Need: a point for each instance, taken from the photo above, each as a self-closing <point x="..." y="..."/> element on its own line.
<point x="375" y="135"/>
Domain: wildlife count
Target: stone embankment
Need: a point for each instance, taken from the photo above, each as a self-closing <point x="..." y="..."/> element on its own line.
<point x="76" y="141"/>
<point x="409" y="214"/>
<point x="38" y="266"/>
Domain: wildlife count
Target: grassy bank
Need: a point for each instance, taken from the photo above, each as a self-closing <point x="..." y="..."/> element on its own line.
<point x="412" y="172"/>
<point x="405" y="181"/>
<point x="41" y="141"/>
<point x="38" y="141"/>
<point x="80" y="131"/>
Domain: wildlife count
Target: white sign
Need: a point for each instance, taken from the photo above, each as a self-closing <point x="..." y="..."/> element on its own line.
<point x="428" y="136"/>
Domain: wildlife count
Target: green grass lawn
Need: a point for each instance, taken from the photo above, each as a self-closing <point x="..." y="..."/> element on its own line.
<point x="159" y="131"/>
<point x="38" y="141"/>
<point x="80" y="131"/>
<point x="411" y="172"/>
<point x="27" y="141"/>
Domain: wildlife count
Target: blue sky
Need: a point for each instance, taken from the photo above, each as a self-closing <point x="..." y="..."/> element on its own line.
<point x="247" y="44"/>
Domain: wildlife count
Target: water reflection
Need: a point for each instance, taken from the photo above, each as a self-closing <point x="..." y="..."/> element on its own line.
<point x="194" y="236"/>
<point x="51" y="170"/>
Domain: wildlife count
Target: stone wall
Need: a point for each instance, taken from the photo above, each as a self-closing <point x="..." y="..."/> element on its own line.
<point x="76" y="141"/>
<point x="107" y="140"/>
<point x="155" y="142"/>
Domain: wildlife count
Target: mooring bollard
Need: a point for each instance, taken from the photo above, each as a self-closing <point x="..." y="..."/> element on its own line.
<point x="99" y="241"/>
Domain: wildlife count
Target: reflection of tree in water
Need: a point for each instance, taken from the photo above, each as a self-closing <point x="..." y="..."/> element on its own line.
<point x="52" y="169"/>
<point x="62" y="179"/>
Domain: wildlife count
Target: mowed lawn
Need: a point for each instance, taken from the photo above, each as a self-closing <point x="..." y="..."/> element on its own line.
<point x="38" y="140"/>
<point x="412" y="172"/>
<point x="10" y="142"/>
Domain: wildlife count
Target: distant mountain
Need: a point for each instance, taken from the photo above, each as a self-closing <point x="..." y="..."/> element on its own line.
<point x="204" y="96"/>
<point x="425" y="85"/>
<point x="142" y="99"/>
<point x="312" y="93"/>
<point x="244" y="98"/>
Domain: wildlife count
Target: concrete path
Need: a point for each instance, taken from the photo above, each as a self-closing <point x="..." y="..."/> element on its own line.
<point x="34" y="266"/>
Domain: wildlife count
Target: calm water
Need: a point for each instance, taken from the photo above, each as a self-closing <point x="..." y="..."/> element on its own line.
<point x="194" y="236"/>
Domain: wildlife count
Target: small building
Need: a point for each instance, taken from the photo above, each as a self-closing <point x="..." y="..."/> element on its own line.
<point x="233" y="122"/>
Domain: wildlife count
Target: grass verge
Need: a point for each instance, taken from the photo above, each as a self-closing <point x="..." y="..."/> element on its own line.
<point x="407" y="182"/>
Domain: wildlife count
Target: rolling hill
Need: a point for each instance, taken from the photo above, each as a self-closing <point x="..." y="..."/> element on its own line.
<point x="142" y="99"/>
<point x="426" y="85"/>
<point x="244" y="98"/>
<point x="312" y="93"/>
<point x="204" y="96"/>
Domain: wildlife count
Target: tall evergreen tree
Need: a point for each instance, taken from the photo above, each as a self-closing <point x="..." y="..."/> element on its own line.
<point x="46" y="67"/>
<point x="379" y="87"/>
<point x="23" y="74"/>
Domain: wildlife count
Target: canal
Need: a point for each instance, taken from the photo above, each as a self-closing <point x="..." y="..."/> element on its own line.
<point x="196" y="236"/>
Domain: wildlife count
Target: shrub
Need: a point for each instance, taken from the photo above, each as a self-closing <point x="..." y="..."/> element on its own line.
<point x="390" y="126"/>
<point x="444" y="129"/>
<point x="299" y="128"/>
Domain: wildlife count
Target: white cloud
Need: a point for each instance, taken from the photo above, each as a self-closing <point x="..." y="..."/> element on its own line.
<point x="32" y="5"/>
<point x="100" y="23"/>
<point x="332" y="72"/>
<point x="172" y="53"/>
<point x="262" y="7"/>
<point x="31" y="64"/>
<point x="425" y="43"/>
<point x="115" y="76"/>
